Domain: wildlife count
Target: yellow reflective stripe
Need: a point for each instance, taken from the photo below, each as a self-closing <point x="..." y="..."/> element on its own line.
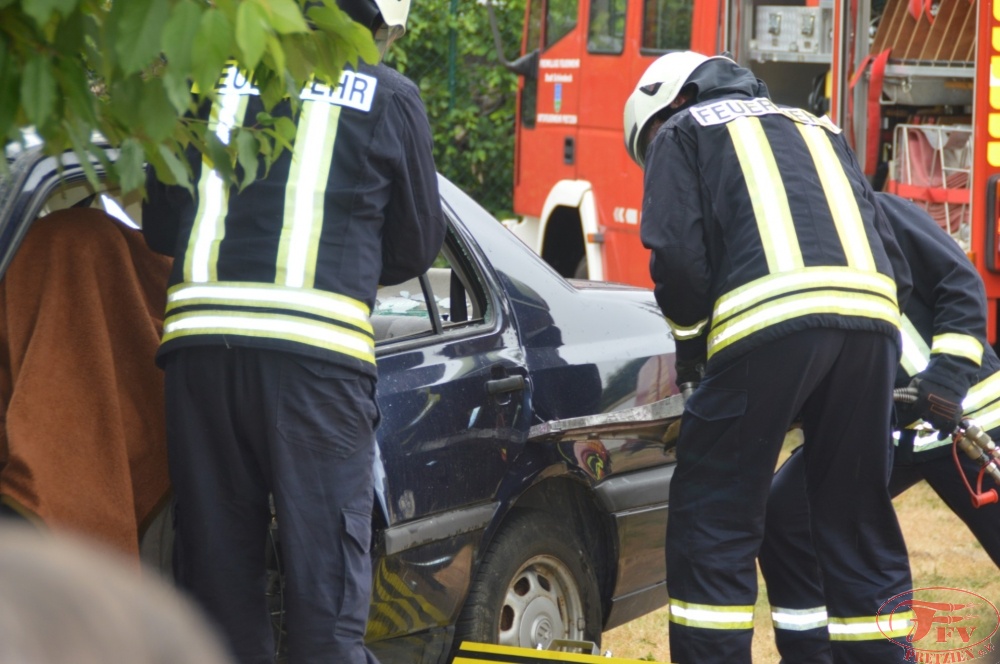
<point x="305" y="194"/>
<point x="987" y="418"/>
<point x="798" y="620"/>
<point x="916" y="354"/>
<point x="813" y="302"/>
<point x="690" y="332"/>
<point x="871" y="628"/>
<point x="767" y="194"/>
<point x="960" y="345"/>
<point x="751" y="294"/>
<point x="270" y="296"/>
<point x="982" y="403"/>
<point x="710" y="616"/>
<point x="840" y="197"/>
<point x="272" y="326"/>
<point x="927" y="440"/>
<point x="982" y="393"/>
<point x="202" y="254"/>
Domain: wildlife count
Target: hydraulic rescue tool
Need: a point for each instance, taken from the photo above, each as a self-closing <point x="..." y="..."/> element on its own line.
<point x="977" y="445"/>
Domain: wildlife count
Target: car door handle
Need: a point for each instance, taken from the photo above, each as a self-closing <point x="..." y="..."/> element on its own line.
<point x="503" y="385"/>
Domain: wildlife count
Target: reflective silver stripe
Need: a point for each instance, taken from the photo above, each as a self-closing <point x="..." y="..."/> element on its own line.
<point x="273" y="326"/>
<point x="840" y="197"/>
<point x="804" y="304"/>
<point x="711" y="617"/>
<point x="798" y="620"/>
<point x="305" y="192"/>
<point x="871" y="628"/>
<point x="681" y="333"/>
<point x="721" y="112"/>
<point x="916" y="354"/>
<point x="960" y="345"/>
<point x="758" y="290"/>
<point x="213" y="193"/>
<point x="767" y="194"/>
<point x="314" y="302"/>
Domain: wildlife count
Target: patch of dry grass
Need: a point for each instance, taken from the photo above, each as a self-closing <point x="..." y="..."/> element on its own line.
<point x="942" y="553"/>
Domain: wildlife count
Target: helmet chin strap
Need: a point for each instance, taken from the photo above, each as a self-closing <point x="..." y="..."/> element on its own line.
<point x="385" y="36"/>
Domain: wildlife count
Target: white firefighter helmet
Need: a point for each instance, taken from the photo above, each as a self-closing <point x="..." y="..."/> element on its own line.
<point x="394" y="12"/>
<point x="656" y="90"/>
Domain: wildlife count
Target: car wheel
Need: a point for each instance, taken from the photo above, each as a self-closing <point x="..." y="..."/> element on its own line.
<point x="534" y="584"/>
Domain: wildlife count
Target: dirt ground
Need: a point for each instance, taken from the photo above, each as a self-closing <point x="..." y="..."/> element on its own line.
<point x="943" y="553"/>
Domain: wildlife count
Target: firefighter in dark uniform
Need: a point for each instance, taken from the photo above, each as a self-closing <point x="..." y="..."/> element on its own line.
<point x="944" y="337"/>
<point x="775" y="270"/>
<point x="269" y="353"/>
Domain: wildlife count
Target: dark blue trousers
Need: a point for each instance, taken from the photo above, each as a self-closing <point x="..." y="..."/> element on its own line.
<point x="731" y="434"/>
<point x="246" y="423"/>
<point x="788" y="558"/>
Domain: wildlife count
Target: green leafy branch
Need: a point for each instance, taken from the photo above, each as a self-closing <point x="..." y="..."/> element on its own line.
<point x="129" y="73"/>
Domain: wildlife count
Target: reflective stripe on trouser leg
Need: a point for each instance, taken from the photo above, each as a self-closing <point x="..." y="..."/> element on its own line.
<point x="732" y="431"/>
<point x="791" y="570"/>
<point x="731" y="434"/>
<point x="847" y="455"/>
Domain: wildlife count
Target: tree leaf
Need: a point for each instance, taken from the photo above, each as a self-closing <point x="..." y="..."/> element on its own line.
<point x="125" y="96"/>
<point x="130" y="165"/>
<point x="76" y="91"/>
<point x="178" y="89"/>
<point x="178" y="168"/>
<point x="157" y="114"/>
<point x="247" y="152"/>
<point x="179" y="34"/>
<point x="284" y="16"/>
<point x="219" y="157"/>
<point x="38" y="90"/>
<point x="251" y="33"/>
<point x="41" y="10"/>
<point x="69" y="35"/>
<point x="135" y="27"/>
<point x="10" y="97"/>
<point x="212" y="48"/>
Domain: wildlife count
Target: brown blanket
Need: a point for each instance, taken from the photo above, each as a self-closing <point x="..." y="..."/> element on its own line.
<point x="82" y="435"/>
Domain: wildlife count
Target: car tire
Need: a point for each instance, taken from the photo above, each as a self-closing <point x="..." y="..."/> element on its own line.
<point x="534" y="584"/>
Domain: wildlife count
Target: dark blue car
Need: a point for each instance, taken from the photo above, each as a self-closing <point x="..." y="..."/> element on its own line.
<point x="524" y="461"/>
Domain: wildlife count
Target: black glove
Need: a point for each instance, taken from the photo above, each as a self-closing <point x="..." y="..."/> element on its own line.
<point x="937" y="404"/>
<point x="690" y="371"/>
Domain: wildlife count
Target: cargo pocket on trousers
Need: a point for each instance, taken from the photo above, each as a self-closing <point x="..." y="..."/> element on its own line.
<point x="711" y="415"/>
<point x="324" y="407"/>
<point x="355" y="545"/>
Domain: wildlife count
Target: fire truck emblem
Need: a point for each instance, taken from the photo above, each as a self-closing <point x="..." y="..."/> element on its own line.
<point x="557" y="96"/>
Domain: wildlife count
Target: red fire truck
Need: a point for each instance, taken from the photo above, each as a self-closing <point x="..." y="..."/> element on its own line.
<point x="916" y="91"/>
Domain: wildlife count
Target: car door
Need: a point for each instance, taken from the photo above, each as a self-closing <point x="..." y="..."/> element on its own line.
<point x="454" y="399"/>
<point x="453" y="389"/>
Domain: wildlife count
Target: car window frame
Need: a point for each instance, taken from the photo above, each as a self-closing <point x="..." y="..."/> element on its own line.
<point x="473" y="264"/>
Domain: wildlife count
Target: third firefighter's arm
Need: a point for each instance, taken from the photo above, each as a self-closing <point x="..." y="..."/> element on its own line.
<point x="946" y="280"/>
